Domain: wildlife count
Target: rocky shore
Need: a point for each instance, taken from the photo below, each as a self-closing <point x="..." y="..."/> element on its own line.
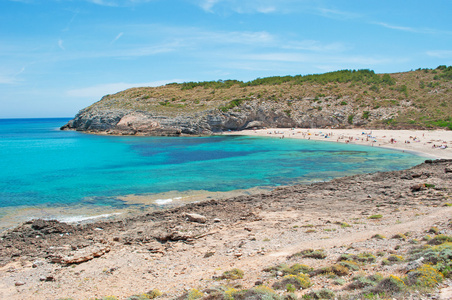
<point x="351" y="237"/>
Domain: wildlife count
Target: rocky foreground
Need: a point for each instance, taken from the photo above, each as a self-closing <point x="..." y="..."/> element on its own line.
<point x="376" y="235"/>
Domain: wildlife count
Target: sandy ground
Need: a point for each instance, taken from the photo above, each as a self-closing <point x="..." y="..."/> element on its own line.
<point x="425" y="142"/>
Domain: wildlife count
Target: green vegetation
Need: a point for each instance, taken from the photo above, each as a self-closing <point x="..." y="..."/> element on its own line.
<point x="310" y="253"/>
<point x="298" y="281"/>
<point x="232" y="274"/>
<point x="320" y="294"/>
<point x="294" y="269"/>
<point x="374" y="217"/>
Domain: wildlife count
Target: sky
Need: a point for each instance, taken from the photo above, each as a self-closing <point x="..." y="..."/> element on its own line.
<point x="59" y="56"/>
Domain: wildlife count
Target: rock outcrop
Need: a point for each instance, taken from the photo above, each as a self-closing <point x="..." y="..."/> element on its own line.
<point x="251" y="114"/>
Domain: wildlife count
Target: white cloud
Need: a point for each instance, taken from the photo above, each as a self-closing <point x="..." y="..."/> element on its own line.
<point x="100" y="90"/>
<point x="118" y="2"/>
<point x="440" y="53"/>
<point x="5" y="79"/>
<point x="413" y="29"/>
<point x="317" y="46"/>
<point x="60" y="44"/>
<point x="402" y="28"/>
<point x="249" y="6"/>
<point x="117" y="37"/>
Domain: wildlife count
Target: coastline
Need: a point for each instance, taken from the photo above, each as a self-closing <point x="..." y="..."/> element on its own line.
<point x="135" y="253"/>
<point x="167" y="250"/>
<point x="421" y="142"/>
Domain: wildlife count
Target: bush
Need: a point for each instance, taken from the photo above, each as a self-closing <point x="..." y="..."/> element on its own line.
<point x="350" y="264"/>
<point x="374" y="217"/>
<point x="399" y="236"/>
<point x="424" y="276"/>
<point x="260" y="292"/>
<point x="379" y="237"/>
<point x="194" y="294"/>
<point x="320" y="294"/>
<point x="310" y="253"/>
<point x="440" y="239"/>
<point x="232" y="274"/>
<point x="391" y="284"/>
<point x="298" y="281"/>
<point x="360" y="282"/>
<point x="294" y="269"/>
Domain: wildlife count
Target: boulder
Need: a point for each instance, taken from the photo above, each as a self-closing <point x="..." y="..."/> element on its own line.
<point x="196" y="218"/>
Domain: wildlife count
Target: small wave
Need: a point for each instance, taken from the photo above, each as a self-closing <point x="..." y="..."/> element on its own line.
<point x="166" y="201"/>
<point x="78" y="219"/>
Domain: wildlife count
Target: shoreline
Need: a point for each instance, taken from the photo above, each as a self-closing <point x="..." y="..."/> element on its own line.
<point x="420" y="147"/>
<point x="419" y="142"/>
<point x="166" y="250"/>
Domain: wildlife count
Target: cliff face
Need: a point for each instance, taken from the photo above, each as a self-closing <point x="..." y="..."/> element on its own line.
<point x="252" y="114"/>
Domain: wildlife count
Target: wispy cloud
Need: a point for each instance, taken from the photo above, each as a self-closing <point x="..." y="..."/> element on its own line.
<point x="337" y="14"/>
<point x="249" y="6"/>
<point x="413" y="29"/>
<point x="60" y="44"/>
<point x="402" y="28"/>
<point x="440" y="53"/>
<point x="316" y="46"/>
<point x="114" y="3"/>
<point x="100" y="90"/>
<point x="11" y="78"/>
<point x="117" y="37"/>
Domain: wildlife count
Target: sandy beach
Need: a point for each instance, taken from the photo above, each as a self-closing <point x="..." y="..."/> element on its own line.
<point x="428" y="143"/>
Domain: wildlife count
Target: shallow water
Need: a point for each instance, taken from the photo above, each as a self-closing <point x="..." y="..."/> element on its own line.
<point x="43" y="167"/>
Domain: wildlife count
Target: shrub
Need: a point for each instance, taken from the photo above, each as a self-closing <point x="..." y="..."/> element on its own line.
<point x="337" y="269"/>
<point x="360" y="282"/>
<point x="294" y="269"/>
<point x="232" y="274"/>
<point x="320" y="294"/>
<point x="374" y="217"/>
<point x="399" y="236"/>
<point x="194" y="294"/>
<point x="260" y="292"/>
<point x="424" y="276"/>
<point x="317" y="254"/>
<point x="365" y="257"/>
<point x="290" y="296"/>
<point x="379" y="237"/>
<point x="366" y="115"/>
<point x="298" y="281"/>
<point x="297" y="269"/>
<point x="350" y="264"/>
<point x="391" y="284"/>
<point x="440" y="239"/>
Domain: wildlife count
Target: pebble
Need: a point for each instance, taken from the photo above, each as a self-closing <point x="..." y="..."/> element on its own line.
<point x="19" y="283"/>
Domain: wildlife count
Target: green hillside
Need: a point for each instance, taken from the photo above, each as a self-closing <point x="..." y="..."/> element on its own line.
<point x="415" y="99"/>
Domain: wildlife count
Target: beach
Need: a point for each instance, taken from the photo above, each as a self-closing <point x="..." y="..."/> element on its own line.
<point x="429" y="143"/>
<point x="185" y="250"/>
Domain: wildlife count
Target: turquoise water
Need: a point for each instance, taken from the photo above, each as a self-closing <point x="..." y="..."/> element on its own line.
<point x="41" y="165"/>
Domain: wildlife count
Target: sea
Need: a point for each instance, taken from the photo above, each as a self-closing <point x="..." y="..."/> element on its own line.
<point x="73" y="176"/>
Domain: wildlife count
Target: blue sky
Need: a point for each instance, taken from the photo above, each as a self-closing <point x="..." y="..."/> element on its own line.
<point x="59" y="56"/>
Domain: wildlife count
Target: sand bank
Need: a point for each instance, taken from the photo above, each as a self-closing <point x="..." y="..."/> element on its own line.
<point x="429" y="143"/>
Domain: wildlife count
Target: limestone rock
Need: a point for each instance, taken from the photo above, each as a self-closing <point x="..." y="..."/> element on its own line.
<point x="196" y="218"/>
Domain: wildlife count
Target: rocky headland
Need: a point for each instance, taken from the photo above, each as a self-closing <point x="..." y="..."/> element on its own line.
<point x="342" y="99"/>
